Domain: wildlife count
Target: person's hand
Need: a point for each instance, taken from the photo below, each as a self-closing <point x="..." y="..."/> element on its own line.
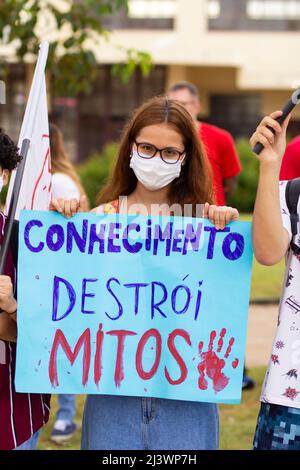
<point x="220" y="215"/>
<point x="274" y="145"/>
<point x="69" y="207"/>
<point x="7" y="301"/>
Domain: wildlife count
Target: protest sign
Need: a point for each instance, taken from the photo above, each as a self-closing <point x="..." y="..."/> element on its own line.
<point x="132" y="305"/>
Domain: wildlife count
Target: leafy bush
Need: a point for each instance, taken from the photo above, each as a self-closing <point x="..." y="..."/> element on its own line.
<point x="244" y="197"/>
<point x="95" y="170"/>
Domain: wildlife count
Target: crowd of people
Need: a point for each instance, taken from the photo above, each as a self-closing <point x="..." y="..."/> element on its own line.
<point x="166" y="156"/>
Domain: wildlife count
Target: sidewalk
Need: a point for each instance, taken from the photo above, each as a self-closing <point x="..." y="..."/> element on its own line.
<point x="261" y="330"/>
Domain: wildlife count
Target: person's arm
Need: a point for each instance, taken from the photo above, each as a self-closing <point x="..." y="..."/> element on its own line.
<point x="8" y="327"/>
<point x="64" y="187"/>
<point x="98" y="209"/>
<point x="8" y="306"/>
<point x="68" y="207"/>
<point x="270" y="238"/>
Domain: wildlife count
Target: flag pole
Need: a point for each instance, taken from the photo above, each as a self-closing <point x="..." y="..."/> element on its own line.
<point x="33" y="99"/>
<point x="13" y="205"/>
<point x="26" y="135"/>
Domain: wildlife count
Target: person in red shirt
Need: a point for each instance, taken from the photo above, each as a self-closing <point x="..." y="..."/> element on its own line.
<point x="218" y="143"/>
<point x="21" y="414"/>
<point x="290" y="167"/>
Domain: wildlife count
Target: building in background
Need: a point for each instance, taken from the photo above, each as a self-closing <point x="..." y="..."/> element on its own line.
<point x="242" y="54"/>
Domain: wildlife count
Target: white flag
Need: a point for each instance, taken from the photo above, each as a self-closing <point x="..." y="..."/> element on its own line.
<point x="35" y="189"/>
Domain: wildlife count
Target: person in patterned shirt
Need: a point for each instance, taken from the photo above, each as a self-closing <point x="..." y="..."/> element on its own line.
<point x="278" y="425"/>
<point x="21" y="414"/>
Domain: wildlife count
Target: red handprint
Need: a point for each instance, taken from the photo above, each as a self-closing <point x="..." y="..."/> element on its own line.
<point x="212" y="365"/>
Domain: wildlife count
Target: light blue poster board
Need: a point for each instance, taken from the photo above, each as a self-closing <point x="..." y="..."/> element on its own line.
<point x="132" y="305"/>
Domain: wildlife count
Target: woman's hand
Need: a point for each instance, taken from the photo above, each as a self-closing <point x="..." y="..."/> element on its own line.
<point x="7" y="301"/>
<point x="220" y="215"/>
<point x="69" y="207"/>
<point x="270" y="239"/>
<point x="274" y="145"/>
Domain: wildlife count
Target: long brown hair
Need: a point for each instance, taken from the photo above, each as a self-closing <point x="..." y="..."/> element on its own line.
<point x="60" y="161"/>
<point x="194" y="184"/>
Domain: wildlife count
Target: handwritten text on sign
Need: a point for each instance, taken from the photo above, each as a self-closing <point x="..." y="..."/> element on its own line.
<point x="132" y="305"/>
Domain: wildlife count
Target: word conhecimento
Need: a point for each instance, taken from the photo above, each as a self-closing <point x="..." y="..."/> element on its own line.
<point x="113" y="237"/>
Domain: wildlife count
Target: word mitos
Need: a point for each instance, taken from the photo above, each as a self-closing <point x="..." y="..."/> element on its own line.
<point x="162" y="238"/>
<point x="151" y="359"/>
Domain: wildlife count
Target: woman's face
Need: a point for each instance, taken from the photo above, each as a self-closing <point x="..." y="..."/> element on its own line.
<point x="161" y="136"/>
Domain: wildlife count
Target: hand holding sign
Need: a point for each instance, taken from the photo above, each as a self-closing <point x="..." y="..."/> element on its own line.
<point x="220" y="216"/>
<point x="7" y="301"/>
<point x="69" y="207"/>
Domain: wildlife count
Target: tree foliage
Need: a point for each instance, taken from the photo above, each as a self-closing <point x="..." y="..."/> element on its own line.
<point x="69" y="26"/>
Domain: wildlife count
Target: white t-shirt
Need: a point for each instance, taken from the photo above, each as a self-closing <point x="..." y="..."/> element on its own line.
<point x="64" y="187"/>
<point x="282" y="381"/>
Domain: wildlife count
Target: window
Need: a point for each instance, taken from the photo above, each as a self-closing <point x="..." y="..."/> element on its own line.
<point x="273" y="10"/>
<point x="213" y="9"/>
<point x="253" y="15"/>
<point x="144" y="14"/>
<point x="102" y="115"/>
<point x="152" y="8"/>
<point x="238" y="114"/>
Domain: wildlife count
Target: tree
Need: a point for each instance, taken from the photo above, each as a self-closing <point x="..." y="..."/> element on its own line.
<point x="71" y="64"/>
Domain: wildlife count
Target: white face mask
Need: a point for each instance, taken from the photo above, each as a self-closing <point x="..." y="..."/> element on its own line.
<point x="154" y="173"/>
<point x="1" y="183"/>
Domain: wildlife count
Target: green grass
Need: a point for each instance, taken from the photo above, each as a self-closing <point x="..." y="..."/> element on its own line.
<point x="266" y="280"/>
<point x="237" y="422"/>
<point x="74" y="443"/>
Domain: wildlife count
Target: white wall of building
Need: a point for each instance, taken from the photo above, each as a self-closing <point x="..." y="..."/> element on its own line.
<point x="223" y="61"/>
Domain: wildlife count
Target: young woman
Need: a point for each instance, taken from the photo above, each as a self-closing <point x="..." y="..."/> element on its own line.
<point x="278" y="425"/>
<point x="65" y="183"/>
<point x="21" y="414"/>
<point x="161" y="167"/>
